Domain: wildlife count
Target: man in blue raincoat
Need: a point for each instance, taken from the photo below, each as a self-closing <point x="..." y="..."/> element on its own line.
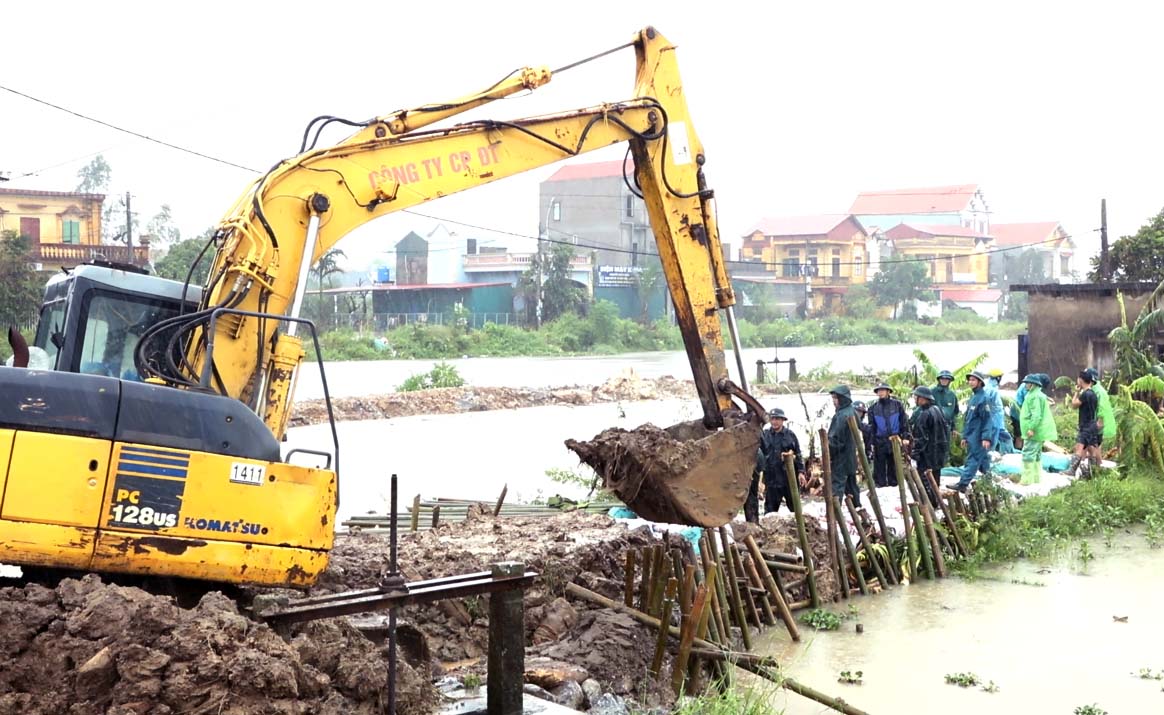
<point x="979" y="431"/>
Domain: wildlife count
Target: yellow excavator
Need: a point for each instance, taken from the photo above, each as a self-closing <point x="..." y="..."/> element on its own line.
<point x="148" y="440"/>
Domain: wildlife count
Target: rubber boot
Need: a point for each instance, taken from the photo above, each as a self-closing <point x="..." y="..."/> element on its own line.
<point x="1071" y="468"/>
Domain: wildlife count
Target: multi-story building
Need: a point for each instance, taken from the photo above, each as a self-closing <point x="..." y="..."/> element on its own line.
<point x="63" y="228"/>
<point x="954" y="256"/>
<point x="960" y="205"/>
<point x="1054" y="246"/>
<point x="591" y="204"/>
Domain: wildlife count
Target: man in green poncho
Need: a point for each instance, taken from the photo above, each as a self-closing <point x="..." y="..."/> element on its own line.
<point x="946" y="399"/>
<point x="1038" y="427"/>
<point x="1106" y="413"/>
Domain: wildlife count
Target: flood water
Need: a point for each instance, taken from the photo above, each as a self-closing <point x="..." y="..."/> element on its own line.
<point x="348" y="379"/>
<point x="1049" y="649"/>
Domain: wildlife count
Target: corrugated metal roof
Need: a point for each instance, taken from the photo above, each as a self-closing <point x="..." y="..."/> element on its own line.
<point x="1021" y="234"/>
<point x="812" y="225"/>
<point x="593" y="170"/>
<point x="933" y="199"/>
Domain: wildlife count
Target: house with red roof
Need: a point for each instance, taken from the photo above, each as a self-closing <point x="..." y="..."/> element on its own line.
<point x="1053" y="245"/>
<point x="957" y="205"/>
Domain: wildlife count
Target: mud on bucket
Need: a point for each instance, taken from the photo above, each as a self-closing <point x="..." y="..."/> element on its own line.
<point x="684" y="474"/>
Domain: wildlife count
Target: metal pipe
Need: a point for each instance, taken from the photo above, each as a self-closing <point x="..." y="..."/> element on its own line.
<point x="736" y="347"/>
<point x="392" y="611"/>
<point x="316" y="205"/>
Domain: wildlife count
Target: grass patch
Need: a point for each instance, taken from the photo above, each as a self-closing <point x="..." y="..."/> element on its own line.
<point x="821" y="620"/>
<point x="1040" y="525"/>
<point x="603" y="332"/>
<point x="441" y="375"/>
<point x="733" y="700"/>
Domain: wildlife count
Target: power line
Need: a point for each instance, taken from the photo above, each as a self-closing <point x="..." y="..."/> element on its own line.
<point x="139" y="135"/>
<point x="546" y="239"/>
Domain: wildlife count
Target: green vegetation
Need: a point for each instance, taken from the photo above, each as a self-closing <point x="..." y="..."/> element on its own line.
<point x="850" y="678"/>
<point x="1090" y="710"/>
<point x="821" y="620"/>
<point x="603" y="332"/>
<point x="727" y="700"/>
<point x="1039" y="525"/>
<point x="963" y="680"/>
<point x="441" y="375"/>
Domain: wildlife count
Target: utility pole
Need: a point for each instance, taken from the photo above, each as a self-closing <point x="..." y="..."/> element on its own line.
<point x="1104" y="264"/>
<point x="128" y="223"/>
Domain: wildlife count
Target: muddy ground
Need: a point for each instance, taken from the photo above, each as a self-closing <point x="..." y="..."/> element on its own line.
<point x="87" y="647"/>
<point x="624" y="388"/>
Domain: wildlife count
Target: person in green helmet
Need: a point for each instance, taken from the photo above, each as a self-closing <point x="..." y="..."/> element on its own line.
<point x="1038" y="426"/>
<point x="946" y="399"/>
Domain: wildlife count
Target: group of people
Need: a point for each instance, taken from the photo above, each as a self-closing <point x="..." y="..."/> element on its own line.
<point x="927" y="433"/>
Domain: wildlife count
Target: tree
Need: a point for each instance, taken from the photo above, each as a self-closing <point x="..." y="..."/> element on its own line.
<point x="181" y="255"/>
<point x="560" y="294"/>
<point x="646" y="281"/>
<point x="20" y="286"/>
<point x="94" y="177"/>
<point x="1136" y="258"/>
<point x="325" y="267"/>
<point x="161" y="227"/>
<point x="899" y="282"/>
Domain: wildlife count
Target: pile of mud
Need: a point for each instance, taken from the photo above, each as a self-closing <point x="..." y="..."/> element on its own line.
<point x="91" y="648"/>
<point x="587" y="549"/>
<point x="627" y="387"/>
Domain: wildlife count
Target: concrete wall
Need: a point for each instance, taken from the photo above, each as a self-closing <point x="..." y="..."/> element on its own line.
<point x="1069" y="332"/>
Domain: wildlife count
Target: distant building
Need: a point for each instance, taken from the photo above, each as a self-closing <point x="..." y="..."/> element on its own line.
<point x="1068" y="326"/>
<point x="954" y="256"/>
<point x="985" y="302"/>
<point x="1047" y="238"/>
<point x="591" y="204"/>
<point x="63" y="228"/>
<point x="958" y="205"/>
<point x="820" y="254"/>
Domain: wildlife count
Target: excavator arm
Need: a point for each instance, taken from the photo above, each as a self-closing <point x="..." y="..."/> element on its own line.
<point x="303" y="206"/>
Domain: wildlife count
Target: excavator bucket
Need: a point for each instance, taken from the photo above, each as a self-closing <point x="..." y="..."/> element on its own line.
<point x="684" y="474"/>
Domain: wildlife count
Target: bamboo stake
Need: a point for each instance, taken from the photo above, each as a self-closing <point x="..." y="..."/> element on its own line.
<point x="694" y="672"/>
<point x="948" y="518"/>
<point x="895" y="443"/>
<point x="661" y="640"/>
<point x="629" y="579"/>
<point x="736" y="601"/>
<point x="717" y="612"/>
<point x="415" y="524"/>
<point x="715" y="631"/>
<point x="773" y="590"/>
<point x="805" y="547"/>
<point x="645" y="582"/>
<point x="787" y="683"/>
<point x="660" y="584"/>
<point x="757" y="582"/>
<point x="919" y="533"/>
<point x="687" y="588"/>
<point x="831" y="520"/>
<point x="687" y="639"/>
<point x="874" y="501"/>
<point x="864" y="538"/>
<point x="721" y="583"/>
<point x="749" y="599"/>
<point x="790" y="568"/>
<point x="844" y="527"/>
<point x="927" y="514"/>
<point x="436" y="516"/>
<point x="794" y="559"/>
<point x="799" y="605"/>
<point x="501" y="499"/>
<point x="677" y="565"/>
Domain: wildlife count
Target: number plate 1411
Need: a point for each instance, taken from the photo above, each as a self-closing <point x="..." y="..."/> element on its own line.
<point x="243" y="473"/>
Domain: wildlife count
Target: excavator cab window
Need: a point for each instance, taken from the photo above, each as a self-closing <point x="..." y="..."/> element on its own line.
<point x="50" y="334"/>
<point x="113" y="324"/>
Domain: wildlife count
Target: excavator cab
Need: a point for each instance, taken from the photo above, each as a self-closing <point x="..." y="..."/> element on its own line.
<point x="93" y="317"/>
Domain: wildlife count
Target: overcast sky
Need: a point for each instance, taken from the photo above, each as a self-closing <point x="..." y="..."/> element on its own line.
<point x="1049" y="106"/>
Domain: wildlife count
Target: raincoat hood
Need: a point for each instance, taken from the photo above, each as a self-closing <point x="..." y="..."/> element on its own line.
<point x="842" y="391"/>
